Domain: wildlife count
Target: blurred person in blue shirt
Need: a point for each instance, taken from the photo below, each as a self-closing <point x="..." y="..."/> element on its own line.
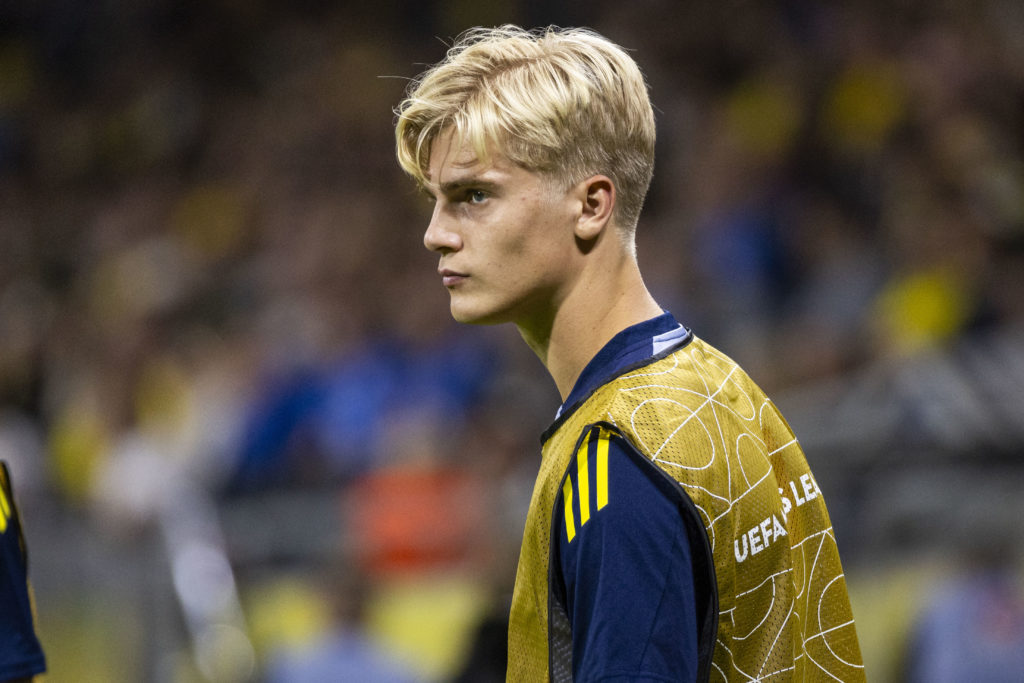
<point x="972" y="629"/>
<point x="345" y="653"/>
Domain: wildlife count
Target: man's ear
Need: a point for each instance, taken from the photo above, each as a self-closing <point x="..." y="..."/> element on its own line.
<point x="598" y="200"/>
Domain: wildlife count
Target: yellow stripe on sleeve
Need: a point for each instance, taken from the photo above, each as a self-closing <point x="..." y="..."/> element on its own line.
<point x="602" y="472"/>
<point x="570" y="522"/>
<point x="583" y="480"/>
<point x="5" y="510"/>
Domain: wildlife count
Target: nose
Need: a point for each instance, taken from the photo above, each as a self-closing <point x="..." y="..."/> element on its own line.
<point x="440" y="237"/>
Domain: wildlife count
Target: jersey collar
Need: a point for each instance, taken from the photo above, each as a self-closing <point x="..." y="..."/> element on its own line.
<point x="629" y="347"/>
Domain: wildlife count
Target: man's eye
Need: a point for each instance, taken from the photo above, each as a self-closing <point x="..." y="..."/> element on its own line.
<point x="476" y="196"/>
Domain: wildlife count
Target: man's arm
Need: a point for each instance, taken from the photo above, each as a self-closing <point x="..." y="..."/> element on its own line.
<point x="21" y="656"/>
<point x="623" y="570"/>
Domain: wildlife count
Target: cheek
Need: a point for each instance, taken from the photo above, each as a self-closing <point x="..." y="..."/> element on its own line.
<point x="512" y="238"/>
<point x="530" y="241"/>
<point x="545" y="260"/>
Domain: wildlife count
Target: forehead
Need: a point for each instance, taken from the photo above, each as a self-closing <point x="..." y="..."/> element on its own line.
<point x="449" y="150"/>
<point x="455" y="164"/>
<point x="454" y="156"/>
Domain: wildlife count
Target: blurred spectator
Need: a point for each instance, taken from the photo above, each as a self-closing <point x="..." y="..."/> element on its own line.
<point x="345" y="652"/>
<point x="972" y="628"/>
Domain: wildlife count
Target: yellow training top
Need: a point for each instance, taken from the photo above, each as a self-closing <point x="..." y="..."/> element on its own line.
<point x="776" y="606"/>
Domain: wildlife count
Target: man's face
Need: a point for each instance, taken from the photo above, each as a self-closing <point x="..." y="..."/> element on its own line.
<point x="504" y="234"/>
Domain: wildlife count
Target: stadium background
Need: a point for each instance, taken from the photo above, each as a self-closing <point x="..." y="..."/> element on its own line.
<point x="227" y="372"/>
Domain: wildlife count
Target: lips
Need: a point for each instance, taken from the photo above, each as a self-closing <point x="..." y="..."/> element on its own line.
<point x="450" y="278"/>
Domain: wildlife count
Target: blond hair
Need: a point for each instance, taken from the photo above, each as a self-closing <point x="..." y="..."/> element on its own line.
<point x="566" y="103"/>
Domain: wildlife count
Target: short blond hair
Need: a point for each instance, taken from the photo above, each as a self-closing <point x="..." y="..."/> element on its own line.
<point x="567" y="103"/>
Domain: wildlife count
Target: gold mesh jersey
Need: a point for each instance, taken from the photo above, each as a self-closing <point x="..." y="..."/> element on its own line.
<point x="777" y="607"/>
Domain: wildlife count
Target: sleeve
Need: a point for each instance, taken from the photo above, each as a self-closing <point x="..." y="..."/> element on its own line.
<point x="21" y="655"/>
<point x="622" y="567"/>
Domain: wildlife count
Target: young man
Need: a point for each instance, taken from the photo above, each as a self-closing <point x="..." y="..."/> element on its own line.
<point x="675" y="531"/>
<point x="21" y="656"/>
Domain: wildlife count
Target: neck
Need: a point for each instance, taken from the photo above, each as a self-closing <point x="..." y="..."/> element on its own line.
<point x="593" y="311"/>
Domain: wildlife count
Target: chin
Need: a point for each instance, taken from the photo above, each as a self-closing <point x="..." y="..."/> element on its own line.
<point x="471" y="319"/>
<point x="475" y="316"/>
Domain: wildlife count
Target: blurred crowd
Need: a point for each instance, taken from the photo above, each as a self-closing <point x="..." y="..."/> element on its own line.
<point x="212" y="272"/>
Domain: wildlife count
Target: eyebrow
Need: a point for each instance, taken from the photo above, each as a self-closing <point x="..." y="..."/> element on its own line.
<point x="454" y="186"/>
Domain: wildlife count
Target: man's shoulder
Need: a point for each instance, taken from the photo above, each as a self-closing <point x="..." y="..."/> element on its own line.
<point x="651" y="397"/>
<point x="686" y="376"/>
